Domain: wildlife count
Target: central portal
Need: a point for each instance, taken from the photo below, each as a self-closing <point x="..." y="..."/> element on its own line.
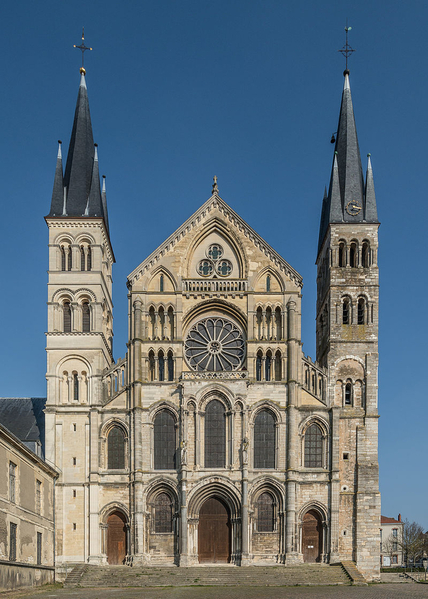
<point x="214" y="532"/>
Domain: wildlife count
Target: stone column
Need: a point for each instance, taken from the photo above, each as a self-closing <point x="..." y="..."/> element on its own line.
<point x="245" y="556"/>
<point x="292" y="548"/>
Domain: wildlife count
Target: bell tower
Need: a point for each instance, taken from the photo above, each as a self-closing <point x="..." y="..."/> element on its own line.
<point x="79" y="335"/>
<point x="347" y="344"/>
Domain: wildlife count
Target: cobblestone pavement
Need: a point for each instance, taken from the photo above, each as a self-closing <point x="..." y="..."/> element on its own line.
<point x="377" y="591"/>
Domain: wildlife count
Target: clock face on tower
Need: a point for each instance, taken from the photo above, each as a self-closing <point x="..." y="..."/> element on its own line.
<point x="214" y="344"/>
<point x="353" y="207"/>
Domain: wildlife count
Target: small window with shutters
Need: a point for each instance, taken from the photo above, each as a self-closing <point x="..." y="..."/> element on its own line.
<point x="116" y="449"/>
<point x="265" y="513"/>
<point x="163" y="513"/>
<point x="12" y="542"/>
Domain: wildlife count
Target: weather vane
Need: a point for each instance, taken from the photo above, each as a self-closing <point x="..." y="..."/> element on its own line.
<point x="346" y="50"/>
<point x="83" y="49"/>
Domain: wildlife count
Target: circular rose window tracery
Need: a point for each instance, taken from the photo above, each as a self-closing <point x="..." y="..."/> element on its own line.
<point x="214" y="344"/>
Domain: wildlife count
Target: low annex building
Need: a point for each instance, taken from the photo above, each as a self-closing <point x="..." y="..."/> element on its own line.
<point x="26" y="498"/>
<point x="215" y="439"/>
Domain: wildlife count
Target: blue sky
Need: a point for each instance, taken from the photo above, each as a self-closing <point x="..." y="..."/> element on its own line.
<point x="246" y="90"/>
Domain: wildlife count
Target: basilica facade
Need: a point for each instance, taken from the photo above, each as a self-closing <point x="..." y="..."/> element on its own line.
<point x="215" y="439"/>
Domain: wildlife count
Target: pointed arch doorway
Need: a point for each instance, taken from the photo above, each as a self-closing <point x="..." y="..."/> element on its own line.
<point x="214" y="532"/>
<point x="312" y="537"/>
<point x="116" y="538"/>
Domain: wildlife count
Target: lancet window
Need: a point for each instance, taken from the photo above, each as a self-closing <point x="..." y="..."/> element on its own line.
<point x="164" y="440"/>
<point x="265" y="513"/>
<point x="215" y="435"/>
<point x="116" y="449"/>
<point x="163" y="513"/>
<point x="313" y="447"/>
<point x="264" y="440"/>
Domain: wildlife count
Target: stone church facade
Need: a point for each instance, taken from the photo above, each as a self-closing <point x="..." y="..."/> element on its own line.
<point x="215" y="439"/>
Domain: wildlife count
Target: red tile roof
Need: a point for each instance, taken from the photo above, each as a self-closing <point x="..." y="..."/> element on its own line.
<point x="386" y="520"/>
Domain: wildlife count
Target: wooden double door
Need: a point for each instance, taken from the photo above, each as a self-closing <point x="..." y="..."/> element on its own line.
<point x="214" y="532"/>
<point x="311" y="537"/>
<point x="116" y="539"/>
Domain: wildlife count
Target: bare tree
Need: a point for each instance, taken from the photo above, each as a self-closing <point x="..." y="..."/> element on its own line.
<point x="411" y="542"/>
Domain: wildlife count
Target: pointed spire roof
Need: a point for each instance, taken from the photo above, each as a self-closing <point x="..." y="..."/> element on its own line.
<point x="81" y="192"/>
<point x="371" y="208"/>
<point x="347" y="181"/>
<point x="57" y="203"/>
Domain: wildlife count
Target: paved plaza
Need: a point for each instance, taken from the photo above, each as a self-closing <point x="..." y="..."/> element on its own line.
<point x="375" y="591"/>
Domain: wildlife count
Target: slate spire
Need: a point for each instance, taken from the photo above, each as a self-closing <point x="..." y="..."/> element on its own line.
<point x="347" y="200"/>
<point x="81" y="192"/>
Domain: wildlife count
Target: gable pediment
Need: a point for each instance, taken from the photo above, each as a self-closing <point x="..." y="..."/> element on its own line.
<point x="215" y="218"/>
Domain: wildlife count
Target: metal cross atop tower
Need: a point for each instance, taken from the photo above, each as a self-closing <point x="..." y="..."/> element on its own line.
<point x="346" y="50"/>
<point x="83" y="49"/>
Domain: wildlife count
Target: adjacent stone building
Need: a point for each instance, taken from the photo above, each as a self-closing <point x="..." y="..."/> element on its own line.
<point x="26" y="512"/>
<point x="215" y="439"/>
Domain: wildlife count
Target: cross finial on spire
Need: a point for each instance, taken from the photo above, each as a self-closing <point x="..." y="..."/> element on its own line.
<point x="215" y="186"/>
<point x="346" y="50"/>
<point x="83" y="49"/>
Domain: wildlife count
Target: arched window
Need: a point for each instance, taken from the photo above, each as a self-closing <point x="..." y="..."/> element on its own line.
<point x="215" y="435"/>
<point x="170" y="366"/>
<point x="348" y="394"/>
<point x="278" y="366"/>
<point x="66" y="310"/>
<point x="268" y="366"/>
<point x="82" y="258"/>
<point x="116" y="449"/>
<point x="264" y="440"/>
<point x="89" y="259"/>
<point x="265" y="513"/>
<point x="268" y="283"/>
<point x="75" y="386"/>
<point x="161" y="365"/>
<point x="161" y="323"/>
<point x="171" y="323"/>
<point x="365" y="255"/>
<point x="313" y="447"/>
<point x="163" y="513"/>
<point x="259" y="361"/>
<point x="278" y="323"/>
<point x="161" y="283"/>
<point x="86" y="318"/>
<point x="151" y="366"/>
<point x="164" y="441"/>
<point x="361" y="310"/>
<point x="269" y="324"/>
<point x="259" y="323"/>
<point x="353" y="255"/>
<point x="342" y="254"/>
<point x="152" y="322"/>
<point x="345" y="311"/>
<point x="63" y="262"/>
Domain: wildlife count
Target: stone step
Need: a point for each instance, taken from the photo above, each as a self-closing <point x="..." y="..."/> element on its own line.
<point x="139" y="576"/>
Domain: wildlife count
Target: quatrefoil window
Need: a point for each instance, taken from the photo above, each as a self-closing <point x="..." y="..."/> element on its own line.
<point x="214" y="262"/>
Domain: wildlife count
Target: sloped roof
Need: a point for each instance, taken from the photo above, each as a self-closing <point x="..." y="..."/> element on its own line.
<point x="215" y="201"/>
<point x="24" y="417"/>
<point x="386" y="520"/>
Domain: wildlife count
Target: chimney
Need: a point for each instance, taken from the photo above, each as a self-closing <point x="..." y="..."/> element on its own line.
<point x="399" y="517"/>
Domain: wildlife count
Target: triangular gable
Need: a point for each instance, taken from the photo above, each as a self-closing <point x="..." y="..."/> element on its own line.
<point x="215" y="201"/>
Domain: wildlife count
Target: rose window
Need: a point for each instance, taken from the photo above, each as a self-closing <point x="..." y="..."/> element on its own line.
<point x="214" y="262"/>
<point x="214" y="344"/>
